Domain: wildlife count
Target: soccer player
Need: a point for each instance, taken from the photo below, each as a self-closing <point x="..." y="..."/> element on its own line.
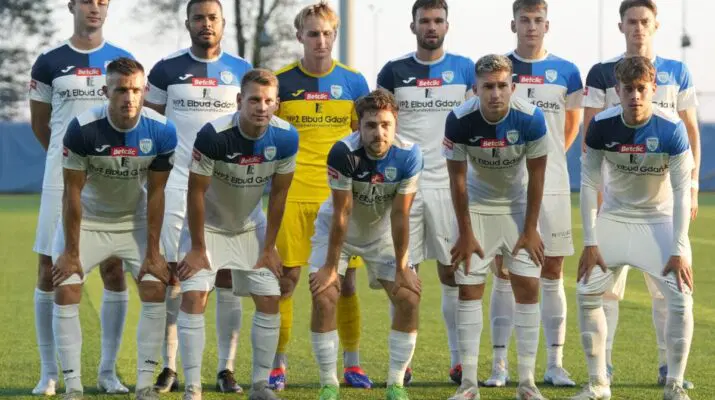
<point x="117" y="159"/>
<point x="233" y="159"/>
<point x="66" y="81"/>
<point x="554" y="85"/>
<point x="504" y="139"/>
<point x="317" y="95"/>
<point x="675" y="93"/>
<point x="427" y="85"/>
<point x="373" y="176"/>
<point x="643" y="221"/>
<point x="192" y="87"/>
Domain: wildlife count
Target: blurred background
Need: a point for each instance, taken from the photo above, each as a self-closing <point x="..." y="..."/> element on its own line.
<point x="373" y="32"/>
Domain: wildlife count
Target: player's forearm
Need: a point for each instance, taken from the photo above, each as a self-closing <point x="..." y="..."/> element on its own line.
<point x="40" y="114"/>
<point x="155" y="218"/>
<point x="534" y="196"/>
<point x="573" y="119"/>
<point x="276" y="208"/>
<point x="71" y="219"/>
<point x="400" y="223"/>
<point x="338" y="230"/>
<point x="42" y="133"/>
<point x="195" y="211"/>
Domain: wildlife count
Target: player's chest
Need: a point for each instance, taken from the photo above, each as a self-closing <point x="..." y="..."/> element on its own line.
<point x="241" y="171"/>
<point x="503" y="151"/>
<point x="78" y="83"/>
<point x="121" y="162"/>
<point x="202" y="94"/>
<point x="642" y="157"/>
<point x="550" y="97"/>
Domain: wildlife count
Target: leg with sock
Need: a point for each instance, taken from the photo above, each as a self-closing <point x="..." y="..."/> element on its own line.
<point x="113" y="315"/>
<point x="403" y="336"/>
<point x="348" y="322"/>
<point x="228" y="325"/>
<point x="49" y="374"/>
<point x="527" y="318"/>
<point x="324" y="338"/>
<point x="167" y="380"/>
<point x="501" y="318"/>
<point x="611" y="310"/>
<point x="192" y="337"/>
<point x="553" y="318"/>
<point x="592" y="324"/>
<point x="450" y="300"/>
<point x="150" y="337"/>
<point x="264" y="340"/>
<point x="470" y="323"/>
<point x="288" y="282"/>
<point x="68" y="336"/>
<point x="679" y="336"/>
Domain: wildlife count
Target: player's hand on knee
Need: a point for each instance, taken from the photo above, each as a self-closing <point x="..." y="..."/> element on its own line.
<point x="531" y="242"/>
<point x="407" y="279"/>
<point x="66" y="265"/>
<point x="682" y="270"/>
<point x="155" y="265"/>
<point x="272" y="260"/>
<point x="590" y="257"/>
<point x="462" y="251"/>
<point x="194" y="261"/>
<point x="326" y="277"/>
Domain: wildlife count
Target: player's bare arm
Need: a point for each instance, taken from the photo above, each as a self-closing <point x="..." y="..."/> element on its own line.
<point x="467" y="243"/>
<point x="328" y="274"/>
<point x="68" y="262"/>
<point x="276" y="205"/>
<point x="160" y="108"/>
<point x="573" y="121"/>
<point x="40" y="114"/>
<point x="196" y="258"/>
<point x="154" y="263"/>
<point x="400" y="222"/>
<point x="690" y="119"/>
<point x="530" y="239"/>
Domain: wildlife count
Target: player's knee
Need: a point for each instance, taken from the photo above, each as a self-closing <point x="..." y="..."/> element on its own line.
<point x="267" y="304"/>
<point x="679" y="304"/>
<point x="44" y="273"/>
<point x="471" y="292"/>
<point x="152" y="292"/>
<point x="288" y="281"/>
<point x="224" y="279"/>
<point x="446" y="275"/>
<point x="68" y="294"/>
<point x="326" y="301"/>
<point x="590" y="301"/>
<point x="552" y="268"/>
<point x="193" y="302"/>
<point x="406" y="301"/>
<point x="113" y="275"/>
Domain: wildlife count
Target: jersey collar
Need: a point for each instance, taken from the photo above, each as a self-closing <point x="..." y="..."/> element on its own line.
<point x="635" y="126"/>
<point x="498" y="122"/>
<point x="305" y="71"/>
<point x="204" y="60"/>
<point x="437" y="61"/>
<point x="240" y="132"/>
<point x="69" y="43"/>
<point x="529" y="61"/>
<point x="118" y="129"/>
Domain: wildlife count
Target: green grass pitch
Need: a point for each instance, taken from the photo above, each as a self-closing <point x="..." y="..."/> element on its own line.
<point x="635" y="356"/>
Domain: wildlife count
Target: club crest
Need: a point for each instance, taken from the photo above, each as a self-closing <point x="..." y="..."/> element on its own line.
<point x="336" y="91"/>
<point x="145" y="145"/>
<point x="663" y="77"/>
<point x="512" y="136"/>
<point x="551" y="75"/>
<point x="652" y="143"/>
<point x="448" y="76"/>
<point x="227" y="77"/>
<point x="391" y="173"/>
<point x="269" y="153"/>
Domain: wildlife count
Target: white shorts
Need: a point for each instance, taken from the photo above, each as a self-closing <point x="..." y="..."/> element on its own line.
<point x="432" y="222"/>
<point x="174" y="215"/>
<point x="237" y="252"/>
<point x="49" y="217"/>
<point x="497" y="234"/>
<point x="97" y="246"/>
<point x="642" y="246"/>
<point x="555" y="225"/>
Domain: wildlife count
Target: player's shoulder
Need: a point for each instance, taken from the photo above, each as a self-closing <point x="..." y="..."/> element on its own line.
<point x="55" y="51"/>
<point x="235" y="61"/>
<point x="523" y="109"/>
<point x="112" y="50"/>
<point x="177" y="57"/>
<point x="345" y="69"/>
<point x="667" y="121"/>
<point x="221" y="124"/>
<point x="403" y="59"/>
<point x="283" y="71"/>
<point x="564" y="66"/>
<point x="405" y="147"/>
<point x="469" y="107"/>
<point x="349" y="144"/>
<point x="153" y="117"/>
<point x="608" y="115"/>
<point x="283" y="128"/>
<point x="669" y="71"/>
<point x="92" y="115"/>
<point x="606" y="67"/>
<point x="458" y="59"/>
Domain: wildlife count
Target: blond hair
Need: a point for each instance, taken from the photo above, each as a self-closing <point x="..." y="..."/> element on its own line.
<point x="493" y="63"/>
<point x="321" y="10"/>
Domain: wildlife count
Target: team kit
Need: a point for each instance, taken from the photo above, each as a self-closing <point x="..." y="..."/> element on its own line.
<point x="204" y="174"/>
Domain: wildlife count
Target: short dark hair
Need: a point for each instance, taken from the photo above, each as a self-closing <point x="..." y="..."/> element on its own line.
<point x="377" y="100"/>
<point x="429" y="4"/>
<point x="628" y="4"/>
<point x="631" y="69"/>
<point x="192" y="2"/>
<point x="124" y="66"/>
<point x="259" y="76"/>
<point x="529" y="5"/>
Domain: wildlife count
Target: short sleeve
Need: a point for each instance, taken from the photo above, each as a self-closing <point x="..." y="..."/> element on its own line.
<point x="687" y="98"/>
<point x="386" y="79"/>
<point x="74" y="153"/>
<point x="157" y="86"/>
<point x="340" y="167"/>
<point x="360" y="88"/>
<point x="469" y="74"/>
<point x="574" y="90"/>
<point x="41" y="81"/>
<point x="413" y="169"/>
<point x="537" y="143"/>
<point x="289" y="150"/>
<point x="454" y="145"/>
<point x="205" y="152"/>
<point x="593" y="138"/>
<point x="594" y="95"/>
<point x="680" y="143"/>
<point x="166" y="145"/>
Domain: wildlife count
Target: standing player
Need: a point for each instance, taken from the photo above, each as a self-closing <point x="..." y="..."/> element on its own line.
<point x="234" y="157"/>
<point x="373" y="177"/>
<point x="675" y="93"/>
<point x="317" y="95"/>
<point x="193" y="87"/>
<point x="643" y="221"/>
<point x="503" y="138"/>
<point x="66" y="81"/>
<point x="117" y="160"/>
<point x="427" y="85"/>
<point x="554" y="85"/>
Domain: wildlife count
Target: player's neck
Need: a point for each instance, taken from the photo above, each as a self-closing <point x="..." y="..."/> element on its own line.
<point x="493" y="117"/>
<point x="252" y="131"/>
<point x="640" y="50"/>
<point x="121" y="123"/>
<point x="317" y="66"/>
<point x="84" y="39"/>
<point x="530" y="52"/>
<point x="204" y="53"/>
<point x="427" y="55"/>
<point x="633" y="120"/>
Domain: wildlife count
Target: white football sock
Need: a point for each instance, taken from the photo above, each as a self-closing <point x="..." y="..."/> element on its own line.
<point x="113" y="315"/>
<point x="611" y="311"/>
<point x="679" y="337"/>
<point x="401" y="347"/>
<point x="44" y="302"/>
<point x="351" y="359"/>
<point x="325" y="348"/>
<point x="264" y="339"/>
<point x="150" y="336"/>
<point x="553" y="317"/>
<point x="501" y="317"/>
<point x="469" y="327"/>
<point x="450" y="299"/>
<point x="68" y="337"/>
<point x="526" y="324"/>
<point x="592" y="323"/>
<point x="228" y="325"/>
<point x="192" y="338"/>
<point x="660" y="313"/>
<point x="171" y="337"/>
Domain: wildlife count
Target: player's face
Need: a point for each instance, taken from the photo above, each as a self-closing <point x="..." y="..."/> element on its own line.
<point x="430" y="26"/>
<point x="530" y="26"/>
<point x="125" y="94"/>
<point x="494" y="90"/>
<point x="638" y="25"/>
<point x="205" y="24"/>
<point x="89" y="14"/>
<point x="377" y="131"/>
<point x="636" y="97"/>
<point x="317" y="37"/>
<point x="257" y="104"/>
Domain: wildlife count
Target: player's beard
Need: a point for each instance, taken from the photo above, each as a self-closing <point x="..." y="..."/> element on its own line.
<point x="205" y="44"/>
<point x="424" y="44"/>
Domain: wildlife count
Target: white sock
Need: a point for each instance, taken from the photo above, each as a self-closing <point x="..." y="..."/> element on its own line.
<point x="113" y="315"/>
<point x="325" y="348"/>
<point x="44" y="302"/>
<point x="171" y="336"/>
<point x="192" y="338"/>
<point x="679" y="336"/>
<point x="592" y="323"/>
<point x="149" y="339"/>
<point x="264" y="338"/>
<point x="228" y="325"/>
<point x="351" y="359"/>
<point x="401" y="347"/>
<point x="526" y="325"/>
<point x="660" y="313"/>
<point x="553" y="317"/>
<point x="611" y="311"/>
<point x="501" y="317"/>
<point x="68" y="337"/>
<point x="450" y="298"/>
<point x="469" y="327"/>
